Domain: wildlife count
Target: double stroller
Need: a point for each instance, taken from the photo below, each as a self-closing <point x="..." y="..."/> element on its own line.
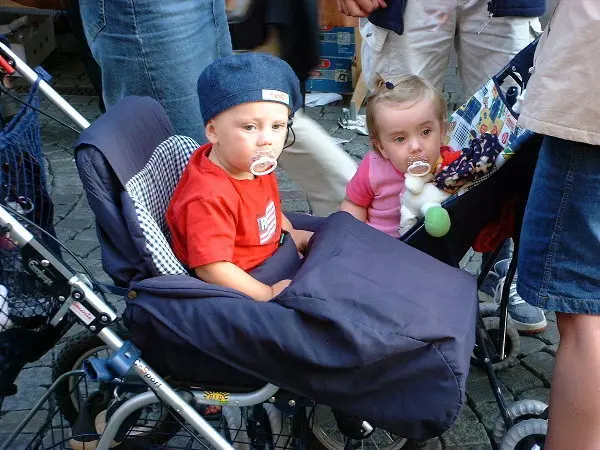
<point x="371" y="342"/>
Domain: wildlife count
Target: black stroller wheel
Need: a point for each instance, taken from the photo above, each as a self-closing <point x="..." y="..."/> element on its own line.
<point x="151" y="429"/>
<point x="70" y="357"/>
<point x="318" y="430"/>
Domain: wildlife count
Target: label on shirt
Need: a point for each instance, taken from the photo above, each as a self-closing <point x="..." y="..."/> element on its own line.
<point x="267" y="224"/>
<point x="275" y="96"/>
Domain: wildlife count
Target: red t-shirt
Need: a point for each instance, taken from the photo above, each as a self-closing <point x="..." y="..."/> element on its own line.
<point x="214" y="217"/>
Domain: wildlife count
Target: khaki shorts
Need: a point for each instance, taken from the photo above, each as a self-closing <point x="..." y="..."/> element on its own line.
<point x="431" y="29"/>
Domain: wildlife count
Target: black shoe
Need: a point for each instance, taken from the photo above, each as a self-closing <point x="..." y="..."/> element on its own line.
<point x="84" y="436"/>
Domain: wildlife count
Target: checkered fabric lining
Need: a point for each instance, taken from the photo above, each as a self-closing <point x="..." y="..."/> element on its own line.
<point x="151" y="190"/>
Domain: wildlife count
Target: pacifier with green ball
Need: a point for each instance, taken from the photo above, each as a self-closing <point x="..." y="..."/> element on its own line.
<point x="437" y="221"/>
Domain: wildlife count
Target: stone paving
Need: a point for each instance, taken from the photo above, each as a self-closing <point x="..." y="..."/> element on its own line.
<point x="529" y="377"/>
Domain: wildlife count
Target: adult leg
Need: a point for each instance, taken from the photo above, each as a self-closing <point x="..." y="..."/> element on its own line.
<point x="423" y="49"/>
<point x="318" y="165"/>
<point x="91" y="66"/>
<point x="558" y="270"/>
<point x="157" y="48"/>
<point x="480" y="56"/>
<point x="574" y="419"/>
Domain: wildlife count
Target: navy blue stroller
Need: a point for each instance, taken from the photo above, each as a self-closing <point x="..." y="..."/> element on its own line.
<point x="361" y="329"/>
<point x="374" y="335"/>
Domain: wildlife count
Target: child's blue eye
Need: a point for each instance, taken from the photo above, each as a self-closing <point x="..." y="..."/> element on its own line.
<point x="399" y="139"/>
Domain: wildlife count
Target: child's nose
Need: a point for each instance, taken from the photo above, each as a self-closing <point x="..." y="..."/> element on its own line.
<point x="415" y="146"/>
<point x="266" y="137"/>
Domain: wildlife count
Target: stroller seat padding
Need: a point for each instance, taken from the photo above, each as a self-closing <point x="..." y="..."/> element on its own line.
<point x="369" y="326"/>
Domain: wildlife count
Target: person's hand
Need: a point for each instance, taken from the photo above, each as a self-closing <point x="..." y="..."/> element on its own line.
<point x="44" y="4"/>
<point x="230" y="5"/>
<point x="278" y="287"/>
<point x="359" y="8"/>
<point x="301" y="238"/>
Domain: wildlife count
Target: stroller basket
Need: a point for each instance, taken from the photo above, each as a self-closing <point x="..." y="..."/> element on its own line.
<point x="26" y="307"/>
<point x="149" y="427"/>
<point x="260" y="426"/>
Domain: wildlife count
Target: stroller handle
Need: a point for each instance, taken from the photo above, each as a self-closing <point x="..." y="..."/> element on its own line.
<point x="9" y="59"/>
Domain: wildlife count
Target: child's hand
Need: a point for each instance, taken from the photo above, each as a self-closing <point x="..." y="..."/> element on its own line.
<point x="278" y="287"/>
<point x="301" y="238"/>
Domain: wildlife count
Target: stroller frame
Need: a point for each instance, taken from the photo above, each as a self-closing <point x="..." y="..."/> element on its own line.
<point x="93" y="313"/>
<point x="78" y="297"/>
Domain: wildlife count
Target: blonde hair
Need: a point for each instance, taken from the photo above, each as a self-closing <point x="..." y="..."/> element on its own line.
<point x="407" y="90"/>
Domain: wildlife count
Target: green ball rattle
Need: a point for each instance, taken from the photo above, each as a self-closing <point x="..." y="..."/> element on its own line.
<point x="437" y="221"/>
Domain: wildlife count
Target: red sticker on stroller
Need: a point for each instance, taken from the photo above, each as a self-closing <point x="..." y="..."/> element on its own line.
<point x="82" y="312"/>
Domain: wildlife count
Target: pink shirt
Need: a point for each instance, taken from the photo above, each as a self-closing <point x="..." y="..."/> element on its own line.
<point x="377" y="186"/>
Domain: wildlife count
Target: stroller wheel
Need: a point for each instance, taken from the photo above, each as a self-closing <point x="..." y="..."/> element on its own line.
<point x="520" y="411"/>
<point x="525" y="435"/>
<point x="513" y="342"/>
<point x="155" y="425"/>
<point x="70" y="357"/>
<point x="318" y="426"/>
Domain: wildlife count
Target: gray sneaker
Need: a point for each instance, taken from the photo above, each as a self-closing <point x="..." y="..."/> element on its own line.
<point x="524" y="317"/>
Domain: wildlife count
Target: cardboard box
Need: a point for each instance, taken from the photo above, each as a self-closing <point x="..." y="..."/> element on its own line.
<point x="332" y="75"/>
<point x="33" y="41"/>
<point x="336" y="42"/>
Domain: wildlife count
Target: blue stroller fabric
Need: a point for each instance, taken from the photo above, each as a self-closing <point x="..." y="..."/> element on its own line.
<point x="108" y="154"/>
<point x="369" y="326"/>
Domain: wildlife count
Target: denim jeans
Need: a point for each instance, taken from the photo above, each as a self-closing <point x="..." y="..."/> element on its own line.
<point x="157" y="48"/>
<point x="560" y="237"/>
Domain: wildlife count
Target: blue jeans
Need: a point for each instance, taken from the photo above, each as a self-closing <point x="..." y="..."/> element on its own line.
<point x="560" y="238"/>
<point x="157" y="48"/>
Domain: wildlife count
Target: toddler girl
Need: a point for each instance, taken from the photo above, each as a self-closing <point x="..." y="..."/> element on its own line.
<point x="406" y="118"/>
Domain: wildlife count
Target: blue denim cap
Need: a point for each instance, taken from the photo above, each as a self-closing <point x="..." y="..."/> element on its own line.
<point x="244" y="78"/>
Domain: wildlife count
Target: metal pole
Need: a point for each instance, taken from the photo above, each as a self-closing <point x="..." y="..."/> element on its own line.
<point x="164" y="391"/>
<point x="32" y="76"/>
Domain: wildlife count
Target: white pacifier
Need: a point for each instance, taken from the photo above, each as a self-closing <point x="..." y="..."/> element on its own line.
<point x="262" y="165"/>
<point x="418" y="166"/>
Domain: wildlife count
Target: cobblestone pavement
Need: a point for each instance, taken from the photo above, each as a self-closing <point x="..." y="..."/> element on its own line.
<point x="529" y="377"/>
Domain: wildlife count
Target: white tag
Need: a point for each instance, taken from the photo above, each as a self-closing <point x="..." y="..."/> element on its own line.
<point x="275" y="96"/>
<point x="82" y="312"/>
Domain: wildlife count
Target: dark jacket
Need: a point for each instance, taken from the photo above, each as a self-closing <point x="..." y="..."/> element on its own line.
<point x="391" y="18"/>
<point x="297" y="23"/>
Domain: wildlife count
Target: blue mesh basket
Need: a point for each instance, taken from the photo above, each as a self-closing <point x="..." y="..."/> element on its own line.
<point x="25" y="308"/>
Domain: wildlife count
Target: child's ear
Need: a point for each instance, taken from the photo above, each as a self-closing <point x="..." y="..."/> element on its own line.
<point x="211" y="132"/>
